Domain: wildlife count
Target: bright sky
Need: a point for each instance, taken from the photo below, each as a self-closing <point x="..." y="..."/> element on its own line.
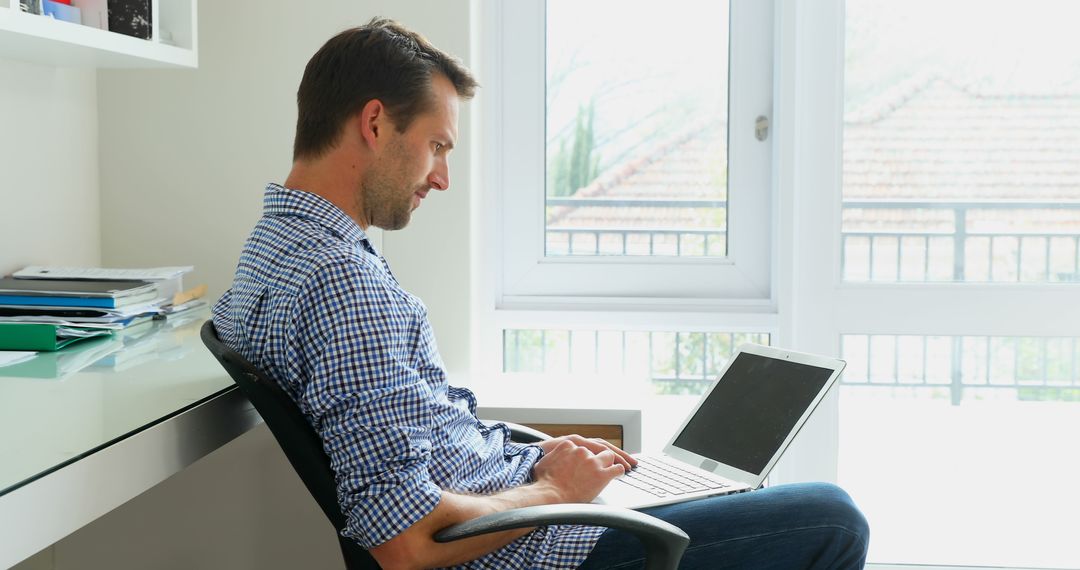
<point x="633" y="57"/>
<point x="1010" y="45"/>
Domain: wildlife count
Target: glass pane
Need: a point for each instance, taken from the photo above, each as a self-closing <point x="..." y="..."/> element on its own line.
<point x="673" y="362"/>
<point x="636" y="128"/>
<point x="959" y="449"/>
<point x="961" y="141"/>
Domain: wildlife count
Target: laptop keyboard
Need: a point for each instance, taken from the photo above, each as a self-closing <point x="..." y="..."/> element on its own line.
<point x="664" y="479"/>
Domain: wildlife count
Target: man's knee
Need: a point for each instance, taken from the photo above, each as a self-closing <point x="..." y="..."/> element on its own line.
<point x="834" y="507"/>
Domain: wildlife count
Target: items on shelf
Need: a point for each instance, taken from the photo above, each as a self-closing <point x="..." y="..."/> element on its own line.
<point x="95" y="13"/>
<point x="129" y="17"/>
<point x="63" y="11"/>
<point x="30" y="6"/>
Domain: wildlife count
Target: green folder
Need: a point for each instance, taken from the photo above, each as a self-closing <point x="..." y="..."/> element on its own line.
<point x="35" y="336"/>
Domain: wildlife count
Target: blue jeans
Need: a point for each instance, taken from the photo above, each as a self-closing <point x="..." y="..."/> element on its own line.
<point x="806" y="525"/>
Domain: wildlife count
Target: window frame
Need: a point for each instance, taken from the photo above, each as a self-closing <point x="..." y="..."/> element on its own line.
<point x="817" y="306"/>
<point x="527" y="279"/>
<point x="809" y="306"/>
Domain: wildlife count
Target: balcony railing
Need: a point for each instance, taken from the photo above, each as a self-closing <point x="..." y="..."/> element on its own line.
<point x="675" y="362"/>
<point x="619" y="238"/>
<point x="1038" y="251"/>
<point x="1037" y="368"/>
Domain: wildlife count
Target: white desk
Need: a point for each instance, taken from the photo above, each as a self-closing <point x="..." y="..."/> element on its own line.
<point x="86" y="429"/>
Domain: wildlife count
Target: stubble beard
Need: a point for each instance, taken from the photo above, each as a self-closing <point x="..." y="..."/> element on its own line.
<point x="382" y="194"/>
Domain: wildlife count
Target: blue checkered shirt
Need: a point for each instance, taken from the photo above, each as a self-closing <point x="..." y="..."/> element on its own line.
<point x="315" y="306"/>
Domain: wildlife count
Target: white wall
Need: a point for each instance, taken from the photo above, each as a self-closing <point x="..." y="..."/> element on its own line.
<point x="49" y="198"/>
<point x="185" y="155"/>
<point x="48" y="166"/>
<point x="184" y="158"/>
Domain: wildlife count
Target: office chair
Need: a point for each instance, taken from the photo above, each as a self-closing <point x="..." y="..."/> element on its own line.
<point x="664" y="543"/>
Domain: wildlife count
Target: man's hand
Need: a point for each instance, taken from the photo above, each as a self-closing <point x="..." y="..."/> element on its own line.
<point x="574" y="469"/>
<point x="594" y="445"/>
<point x="578" y="468"/>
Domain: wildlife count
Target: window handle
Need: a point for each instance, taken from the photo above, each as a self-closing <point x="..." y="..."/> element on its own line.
<point x="761" y="127"/>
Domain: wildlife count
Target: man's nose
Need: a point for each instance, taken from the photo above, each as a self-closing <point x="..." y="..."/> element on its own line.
<point x="439" y="178"/>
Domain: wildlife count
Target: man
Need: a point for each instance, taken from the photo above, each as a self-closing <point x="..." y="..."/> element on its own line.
<point x="316" y="306"/>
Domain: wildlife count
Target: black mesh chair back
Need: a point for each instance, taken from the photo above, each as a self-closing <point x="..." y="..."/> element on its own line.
<point x="300" y="442"/>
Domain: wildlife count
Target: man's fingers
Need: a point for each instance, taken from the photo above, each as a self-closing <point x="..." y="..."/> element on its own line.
<point x="607" y="458"/>
<point x="615" y="469"/>
<point x="625" y="457"/>
<point x="598" y="444"/>
<point x="610" y="465"/>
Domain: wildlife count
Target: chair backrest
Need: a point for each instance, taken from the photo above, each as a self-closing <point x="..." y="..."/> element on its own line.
<point x="300" y="442"/>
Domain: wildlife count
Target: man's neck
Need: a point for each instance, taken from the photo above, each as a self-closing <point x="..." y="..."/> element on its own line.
<point x="339" y="186"/>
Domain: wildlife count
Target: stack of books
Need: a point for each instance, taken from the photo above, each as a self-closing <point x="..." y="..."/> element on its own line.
<point x="48" y="308"/>
<point x="49" y="314"/>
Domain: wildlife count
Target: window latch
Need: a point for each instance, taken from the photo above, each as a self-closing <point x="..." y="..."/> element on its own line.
<point x="761" y="127"/>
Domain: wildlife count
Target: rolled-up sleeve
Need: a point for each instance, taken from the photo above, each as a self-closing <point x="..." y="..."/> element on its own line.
<point x="372" y="409"/>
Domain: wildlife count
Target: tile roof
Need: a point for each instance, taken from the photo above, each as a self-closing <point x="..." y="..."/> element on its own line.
<point x="932" y="139"/>
<point x="690" y="164"/>
<point x="925" y="139"/>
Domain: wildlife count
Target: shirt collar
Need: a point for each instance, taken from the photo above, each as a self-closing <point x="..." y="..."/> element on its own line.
<point x="281" y="201"/>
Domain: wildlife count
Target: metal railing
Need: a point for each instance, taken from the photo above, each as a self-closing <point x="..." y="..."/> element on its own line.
<point x="634" y="203"/>
<point x="973" y="362"/>
<point x="590" y="240"/>
<point x="877" y="243"/>
<point x="944" y="254"/>
<point x="684" y="362"/>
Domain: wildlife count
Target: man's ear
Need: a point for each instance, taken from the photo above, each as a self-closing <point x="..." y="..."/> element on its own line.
<point x="372" y="122"/>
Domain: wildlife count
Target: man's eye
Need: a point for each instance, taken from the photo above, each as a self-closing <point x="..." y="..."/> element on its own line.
<point x="438" y="147"/>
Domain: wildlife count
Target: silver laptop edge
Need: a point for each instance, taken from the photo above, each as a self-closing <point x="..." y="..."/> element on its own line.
<point x="624" y="495"/>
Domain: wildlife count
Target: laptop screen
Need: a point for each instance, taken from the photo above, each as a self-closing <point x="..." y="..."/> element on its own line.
<point x="751" y="411"/>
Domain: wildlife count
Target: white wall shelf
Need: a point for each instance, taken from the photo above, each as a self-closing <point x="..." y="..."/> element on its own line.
<point x="41" y="39"/>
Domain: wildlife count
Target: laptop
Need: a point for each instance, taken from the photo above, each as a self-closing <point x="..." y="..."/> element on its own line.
<point x="735" y="434"/>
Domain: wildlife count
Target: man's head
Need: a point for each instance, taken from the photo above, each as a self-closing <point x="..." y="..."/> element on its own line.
<point x="391" y="91"/>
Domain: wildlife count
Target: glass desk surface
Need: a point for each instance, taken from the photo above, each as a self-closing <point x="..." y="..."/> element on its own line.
<point x="60" y="406"/>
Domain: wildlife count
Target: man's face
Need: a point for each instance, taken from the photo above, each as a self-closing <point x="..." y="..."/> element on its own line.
<point x="411" y="163"/>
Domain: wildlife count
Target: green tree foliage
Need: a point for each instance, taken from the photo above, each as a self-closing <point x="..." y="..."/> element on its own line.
<point x="574" y="167"/>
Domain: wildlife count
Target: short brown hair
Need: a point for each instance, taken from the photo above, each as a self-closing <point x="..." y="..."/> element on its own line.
<point x="381" y="60"/>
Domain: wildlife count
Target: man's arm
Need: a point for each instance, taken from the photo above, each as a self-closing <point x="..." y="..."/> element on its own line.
<point x="568" y="473"/>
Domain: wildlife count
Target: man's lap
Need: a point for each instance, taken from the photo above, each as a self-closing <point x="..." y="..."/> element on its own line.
<point x="788" y="526"/>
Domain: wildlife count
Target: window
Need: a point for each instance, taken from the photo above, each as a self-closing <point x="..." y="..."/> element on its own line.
<point x="961" y="143"/>
<point x="919" y="191"/>
<point x="636" y="130"/>
<point x="958" y="238"/>
<point x="943" y="425"/>
<point x="632" y="170"/>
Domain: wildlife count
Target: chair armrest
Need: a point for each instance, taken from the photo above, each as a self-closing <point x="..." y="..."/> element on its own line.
<point x="664" y="542"/>
<point x="525" y="434"/>
<point x="520" y="433"/>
